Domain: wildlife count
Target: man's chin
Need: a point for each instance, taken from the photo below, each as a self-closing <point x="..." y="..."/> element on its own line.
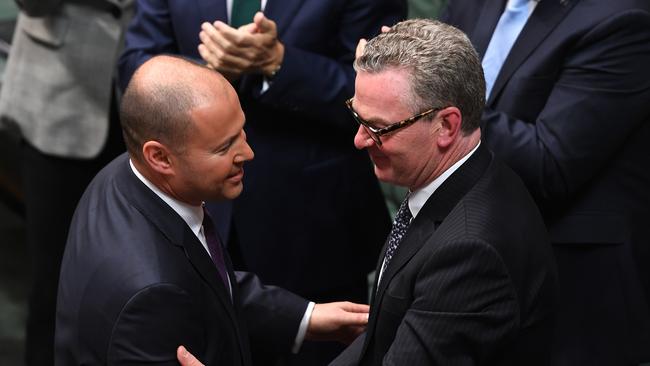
<point x="382" y="174"/>
<point x="232" y="192"/>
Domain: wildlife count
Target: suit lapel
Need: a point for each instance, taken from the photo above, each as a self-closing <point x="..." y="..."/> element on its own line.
<point x="546" y="16"/>
<point x="174" y="228"/>
<point x="487" y="21"/>
<point x="282" y="13"/>
<point x="212" y="10"/>
<point x="430" y="218"/>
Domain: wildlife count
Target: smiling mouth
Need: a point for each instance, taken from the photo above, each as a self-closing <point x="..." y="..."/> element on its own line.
<point x="237" y="176"/>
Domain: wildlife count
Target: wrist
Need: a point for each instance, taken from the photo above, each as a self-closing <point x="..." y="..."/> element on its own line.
<point x="272" y="69"/>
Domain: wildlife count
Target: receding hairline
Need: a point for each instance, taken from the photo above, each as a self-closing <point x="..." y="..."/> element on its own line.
<point x="158" y="101"/>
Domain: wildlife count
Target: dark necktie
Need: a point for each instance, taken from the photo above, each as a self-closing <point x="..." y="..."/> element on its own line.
<point x="400" y="225"/>
<point x="243" y="12"/>
<point x="215" y="248"/>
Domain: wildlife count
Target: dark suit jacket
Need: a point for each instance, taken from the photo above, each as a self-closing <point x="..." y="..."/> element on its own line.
<point x="473" y="281"/>
<point x="569" y="113"/>
<point x="310" y="200"/>
<point x="136" y="283"/>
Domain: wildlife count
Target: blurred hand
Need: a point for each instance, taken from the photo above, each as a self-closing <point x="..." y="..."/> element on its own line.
<point x="337" y="321"/>
<point x="252" y="48"/>
<point x="185" y="358"/>
<point x="360" y="47"/>
<point x="362" y="42"/>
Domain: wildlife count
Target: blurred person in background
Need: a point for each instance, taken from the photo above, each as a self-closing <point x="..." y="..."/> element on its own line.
<point x="58" y="92"/>
<point x="567" y="109"/>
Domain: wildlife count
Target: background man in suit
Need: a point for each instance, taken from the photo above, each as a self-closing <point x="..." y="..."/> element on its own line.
<point x="569" y="112"/>
<point x="58" y="92"/>
<point x="143" y="269"/>
<point x="468" y="275"/>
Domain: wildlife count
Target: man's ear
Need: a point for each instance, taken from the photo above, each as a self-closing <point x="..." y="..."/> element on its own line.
<point x="450" y="121"/>
<point x="158" y="157"/>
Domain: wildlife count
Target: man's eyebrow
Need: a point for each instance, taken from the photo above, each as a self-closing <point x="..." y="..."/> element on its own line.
<point x="373" y="119"/>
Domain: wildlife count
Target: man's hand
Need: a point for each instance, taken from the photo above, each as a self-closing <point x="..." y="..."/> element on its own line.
<point x="337" y="321"/>
<point x="185" y="358"/>
<point x="252" y="48"/>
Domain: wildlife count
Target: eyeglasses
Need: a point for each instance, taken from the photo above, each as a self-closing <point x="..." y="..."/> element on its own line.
<point x="375" y="132"/>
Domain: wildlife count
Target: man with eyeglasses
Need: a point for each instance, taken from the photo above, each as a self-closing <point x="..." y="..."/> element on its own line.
<point x="467" y="275"/>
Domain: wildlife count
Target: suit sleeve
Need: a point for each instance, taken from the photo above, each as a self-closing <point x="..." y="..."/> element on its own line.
<point x="152" y="324"/>
<point x="150" y="33"/>
<point x="318" y="84"/>
<point x="598" y="100"/>
<point x="464" y="305"/>
<point x="272" y="314"/>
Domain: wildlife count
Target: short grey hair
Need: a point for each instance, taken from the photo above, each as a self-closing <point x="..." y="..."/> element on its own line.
<point x="444" y="67"/>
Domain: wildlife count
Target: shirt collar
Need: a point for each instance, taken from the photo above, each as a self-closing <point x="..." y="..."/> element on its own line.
<point x="418" y="198"/>
<point x="192" y="215"/>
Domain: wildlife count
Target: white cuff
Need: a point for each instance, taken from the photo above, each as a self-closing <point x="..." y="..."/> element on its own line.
<point x="302" y="330"/>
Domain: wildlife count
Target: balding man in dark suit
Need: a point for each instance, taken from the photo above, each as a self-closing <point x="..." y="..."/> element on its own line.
<point x="144" y="269"/>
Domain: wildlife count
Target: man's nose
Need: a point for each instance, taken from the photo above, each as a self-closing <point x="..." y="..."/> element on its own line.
<point x="362" y="139"/>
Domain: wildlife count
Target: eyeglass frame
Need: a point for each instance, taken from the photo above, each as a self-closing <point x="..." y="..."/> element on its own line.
<point x="376" y="133"/>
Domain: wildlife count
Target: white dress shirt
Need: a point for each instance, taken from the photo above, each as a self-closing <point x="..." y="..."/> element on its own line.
<point x="418" y="198"/>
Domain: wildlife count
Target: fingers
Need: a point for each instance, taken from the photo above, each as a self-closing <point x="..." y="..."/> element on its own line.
<point x="250" y="28"/>
<point x="234" y="37"/>
<point x="354" y="319"/>
<point x="385" y="28"/>
<point x="360" y="47"/>
<point x="264" y="24"/>
<point x="355" y="308"/>
<point x="185" y="358"/>
<point x="222" y="37"/>
<point x="225" y="64"/>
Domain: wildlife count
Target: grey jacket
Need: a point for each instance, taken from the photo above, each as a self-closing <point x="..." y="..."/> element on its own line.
<point x="57" y="83"/>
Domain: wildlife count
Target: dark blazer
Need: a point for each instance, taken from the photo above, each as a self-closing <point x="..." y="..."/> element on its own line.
<point x="310" y="202"/>
<point x="473" y="281"/>
<point x="569" y="113"/>
<point x="136" y="283"/>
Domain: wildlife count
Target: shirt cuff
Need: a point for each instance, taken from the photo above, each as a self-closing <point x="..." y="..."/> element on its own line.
<point x="265" y="85"/>
<point x="302" y="330"/>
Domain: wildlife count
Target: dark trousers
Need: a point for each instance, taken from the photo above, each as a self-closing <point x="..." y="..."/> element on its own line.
<point x="52" y="187"/>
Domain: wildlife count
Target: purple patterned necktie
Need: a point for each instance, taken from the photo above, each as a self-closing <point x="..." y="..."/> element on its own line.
<point x="400" y="225"/>
<point x="215" y="248"/>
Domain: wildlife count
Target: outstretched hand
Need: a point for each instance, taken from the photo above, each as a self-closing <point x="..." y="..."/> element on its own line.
<point x="337" y="321"/>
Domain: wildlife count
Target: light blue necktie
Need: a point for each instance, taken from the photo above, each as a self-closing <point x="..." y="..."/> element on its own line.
<point x="510" y="24"/>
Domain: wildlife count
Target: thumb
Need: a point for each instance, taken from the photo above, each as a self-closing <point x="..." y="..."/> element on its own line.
<point x="185" y="358"/>
<point x="263" y="23"/>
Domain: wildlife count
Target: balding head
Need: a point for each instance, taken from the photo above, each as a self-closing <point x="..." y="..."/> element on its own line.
<point x="157" y="102"/>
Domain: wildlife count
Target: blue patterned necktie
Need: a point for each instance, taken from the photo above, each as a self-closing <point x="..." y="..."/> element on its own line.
<point x="215" y="248"/>
<point x="510" y="24"/>
<point x="400" y="225"/>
